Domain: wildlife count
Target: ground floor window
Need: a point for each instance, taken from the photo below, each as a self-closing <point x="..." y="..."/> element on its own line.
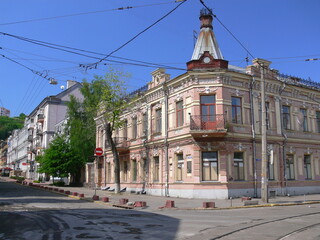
<point x="290" y="167"/>
<point x="156" y="169"/>
<point x="307" y="167"/>
<point x="108" y="172"/>
<point x="125" y="171"/>
<point x="270" y="166"/>
<point x="134" y="170"/>
<point x="238" y="166"/>
<point x="209" y="166"/>
<point x="189" y="164"/>
<point x="180" y="166"/>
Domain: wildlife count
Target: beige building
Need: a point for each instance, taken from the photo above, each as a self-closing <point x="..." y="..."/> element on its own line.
<point x="198" y="135"/>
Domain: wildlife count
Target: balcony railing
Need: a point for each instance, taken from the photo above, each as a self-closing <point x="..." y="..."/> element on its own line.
<point x="207" y="122"/>
<point x="30" y="138"/>
<point x="40" y="117"/>
<point x="208" y="125"/>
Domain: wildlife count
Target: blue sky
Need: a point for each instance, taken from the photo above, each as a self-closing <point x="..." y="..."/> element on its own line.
<point x="285" y="32"/>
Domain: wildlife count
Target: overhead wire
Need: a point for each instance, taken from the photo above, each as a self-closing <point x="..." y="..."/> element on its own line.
<point x="84" y="13"/>
<point x="73" y="51"/>
<point x="93" y="65"/>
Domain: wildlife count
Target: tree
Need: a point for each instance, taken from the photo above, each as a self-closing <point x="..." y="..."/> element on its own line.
<point x="58" y="160"/>
<point x="8" y="124"/>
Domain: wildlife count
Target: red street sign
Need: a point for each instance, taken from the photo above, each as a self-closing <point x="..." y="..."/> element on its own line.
<point x="98" y="151"/>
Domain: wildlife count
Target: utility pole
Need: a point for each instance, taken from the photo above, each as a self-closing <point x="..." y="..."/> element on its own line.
<point x="264" y="160"/>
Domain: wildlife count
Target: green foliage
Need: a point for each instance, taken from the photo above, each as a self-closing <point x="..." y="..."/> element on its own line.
<point x="58" y="159"/>
<point x="8" y="124"/>
<point x="59" y="184"/>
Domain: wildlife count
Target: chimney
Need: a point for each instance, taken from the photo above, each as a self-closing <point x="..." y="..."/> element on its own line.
<point x="70" y="83"/>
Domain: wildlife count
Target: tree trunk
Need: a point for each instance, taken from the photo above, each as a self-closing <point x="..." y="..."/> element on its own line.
<point x="116" y="159"/>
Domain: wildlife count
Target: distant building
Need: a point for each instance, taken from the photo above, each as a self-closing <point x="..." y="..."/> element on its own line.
<point x="4" y="112"/>
<point x="198" y="135"/>
<point x="38" y="131"/>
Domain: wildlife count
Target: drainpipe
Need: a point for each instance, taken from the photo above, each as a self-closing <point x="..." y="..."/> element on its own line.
<point x="166" y="96"/>
<point x="285" y="139"/>
<point x="254" y="155"/>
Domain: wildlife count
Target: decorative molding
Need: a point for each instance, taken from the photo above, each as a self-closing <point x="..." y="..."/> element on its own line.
<point x="239" y="147"/>
<point x="207" y="90"/>
<point x="178" y="150"/>
<point x="155" y="152"/>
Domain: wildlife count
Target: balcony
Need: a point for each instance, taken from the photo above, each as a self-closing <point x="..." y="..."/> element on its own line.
<point x="122" y="144"/>
<point x="40" y="117"/>
<point x="203" y="126"/>
<point x="39" y="132"/>
<point x="30" y="138"/>
<point x="30" y="126"/>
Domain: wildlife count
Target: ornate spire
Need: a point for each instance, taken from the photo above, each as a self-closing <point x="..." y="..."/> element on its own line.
<point x="206" y="40"/>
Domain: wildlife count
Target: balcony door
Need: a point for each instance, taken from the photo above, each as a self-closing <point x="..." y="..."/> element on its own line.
<point x="208" y="112"/>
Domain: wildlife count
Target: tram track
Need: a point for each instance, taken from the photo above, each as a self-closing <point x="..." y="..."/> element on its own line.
<point x="270" y="222"/>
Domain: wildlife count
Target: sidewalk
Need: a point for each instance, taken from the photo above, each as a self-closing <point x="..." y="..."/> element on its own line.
<point x="157" y="202"/>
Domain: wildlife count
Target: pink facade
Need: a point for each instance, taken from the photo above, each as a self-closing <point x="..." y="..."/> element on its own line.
<point x="198" y="135"/>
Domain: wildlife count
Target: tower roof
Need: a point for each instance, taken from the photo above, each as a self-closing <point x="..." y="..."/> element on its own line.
<point x="206" y="41"/>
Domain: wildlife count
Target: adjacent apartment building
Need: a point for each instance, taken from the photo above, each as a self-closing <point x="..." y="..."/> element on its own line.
<point x="26" y="143"/>
<point x="198" y="135"/>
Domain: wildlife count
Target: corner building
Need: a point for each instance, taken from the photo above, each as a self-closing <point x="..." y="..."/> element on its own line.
<point x="199" y="135"/>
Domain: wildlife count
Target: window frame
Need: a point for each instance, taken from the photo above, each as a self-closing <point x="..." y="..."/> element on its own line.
<point x="179" y="114"/>
<point x="290" y="167"/>
<point x="158" y="120"/>
<point x="212" y="163"/>
<point x="307" y="170"/>
<point x="179" y="167"/>
<point x="286" y="117"/>
<point x="236" y="111"/>
<point x="305" y="119"/>
<point x="239" y="171"/>
<point x="134" y="125"/>
<point x="156" y="169"/>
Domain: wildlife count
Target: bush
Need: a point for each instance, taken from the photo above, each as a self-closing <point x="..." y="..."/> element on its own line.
<point x="36" y="181"/>
<point x="13" y="177"/>
<point x="20" y="179"/>
<point x="59" y="184"/>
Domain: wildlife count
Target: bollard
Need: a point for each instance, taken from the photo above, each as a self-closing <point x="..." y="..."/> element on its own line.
<point x="75" y="194"/>
<point x="208" y="204"/>
<point x="81" y="195"/>
<point x="169" y="204"/>
<point x="95" y="198"/>
<point x="105" y="199"/>
<point x="67" y="192"/>
<point x="245" y="199"/>
<point x="61" y="191"/>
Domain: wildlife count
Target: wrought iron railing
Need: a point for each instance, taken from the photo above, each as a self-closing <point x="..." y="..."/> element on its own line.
<point x="207" y="122"/>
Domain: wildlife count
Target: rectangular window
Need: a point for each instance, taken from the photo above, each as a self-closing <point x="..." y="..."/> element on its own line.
<point x="270" y="166"/>
<point x="286" y="117"/>
<point x="158" y="121"/>
<point x="156" y="169"/>
<point x="125" y="129"/>
<point x="134" y="128"/>
<point x="108" y="172"/>
<point x="180" y="165"/>
<point x="290" y="167"/>
<point x="304" y="120"/>
<point x="318" y="120"/>
<point x="134" y="170"/>
<point x="179" y="113"/>
<point x="208" y="112"/>
<point x="236" y="110"/>
<point x="125" y="171"/>
<point x="189" y="166"/>
<point x="209" y="166"/>
<point x="307" y="167"/>
<point x="144" y="124"/>
<point x="238" y="166"/>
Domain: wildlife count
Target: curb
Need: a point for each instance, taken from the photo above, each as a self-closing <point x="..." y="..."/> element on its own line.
<point x="176" y="208"/>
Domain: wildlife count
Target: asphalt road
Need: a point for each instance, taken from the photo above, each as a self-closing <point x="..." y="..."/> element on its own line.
<point x="27" y="213"/>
